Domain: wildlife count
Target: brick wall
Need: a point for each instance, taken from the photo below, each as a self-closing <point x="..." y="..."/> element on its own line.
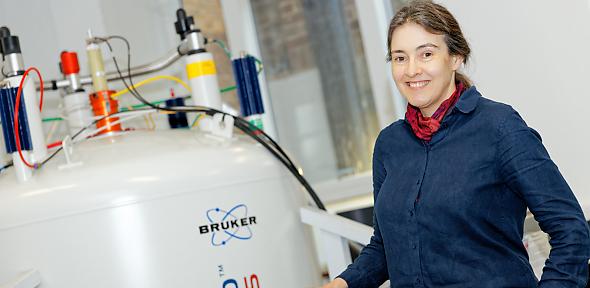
<point x="283" y="37"/>
<point x="282" y="34"/>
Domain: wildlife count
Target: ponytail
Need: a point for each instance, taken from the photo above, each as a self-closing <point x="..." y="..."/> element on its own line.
<point x="460" y="78"/>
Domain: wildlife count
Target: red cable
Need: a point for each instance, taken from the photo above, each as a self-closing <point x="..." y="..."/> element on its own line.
<point x="54" y="144"/>
<point x="17" y="106"/>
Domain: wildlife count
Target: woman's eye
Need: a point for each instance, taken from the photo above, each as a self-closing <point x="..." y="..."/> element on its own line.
<point x="427" y="54"/>
<point x="399" y="59"/>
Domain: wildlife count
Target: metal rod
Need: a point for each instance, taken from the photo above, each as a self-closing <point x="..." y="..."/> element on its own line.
<point x="156" y="65"/>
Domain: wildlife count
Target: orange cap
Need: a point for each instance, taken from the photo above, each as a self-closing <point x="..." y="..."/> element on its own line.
<point x="69" y="63"/>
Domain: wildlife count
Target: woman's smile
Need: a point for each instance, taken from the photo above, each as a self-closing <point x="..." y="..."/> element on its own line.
<point x="417" y="85"/>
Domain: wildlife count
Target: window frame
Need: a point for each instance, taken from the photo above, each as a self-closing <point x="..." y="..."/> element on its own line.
<point x="374" y="16"/>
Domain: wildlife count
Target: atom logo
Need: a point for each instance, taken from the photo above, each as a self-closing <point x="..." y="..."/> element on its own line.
<point x="228" y="225"/>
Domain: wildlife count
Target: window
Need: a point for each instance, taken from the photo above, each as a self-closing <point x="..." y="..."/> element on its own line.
<point x="318" y="82"/>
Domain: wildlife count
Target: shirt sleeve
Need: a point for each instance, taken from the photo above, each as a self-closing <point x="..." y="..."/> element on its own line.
<point x="369" y="270"/>
<point x="527" y="169"/>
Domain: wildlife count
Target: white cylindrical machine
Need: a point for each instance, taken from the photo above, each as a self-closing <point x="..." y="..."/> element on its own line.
<point x="158" y="209"/>
<point x="202" y="77"/>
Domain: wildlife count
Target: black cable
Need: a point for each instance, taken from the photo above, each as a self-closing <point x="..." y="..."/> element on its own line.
<point x="275" y="144"/>
<point x="131" y="85"/>
<point x="50" y="157"/>
<point x="239" y="122"/>
<point x="136" y="93"/>
<point x="10" y="164"/>
<point x="131" y="88"/>
<point x="288" y="163"/>
<point x="84" y="129"/>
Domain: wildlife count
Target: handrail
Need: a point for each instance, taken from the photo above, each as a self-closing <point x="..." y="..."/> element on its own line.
<point x="335" y="232"/>
<point x="338" y="225"/>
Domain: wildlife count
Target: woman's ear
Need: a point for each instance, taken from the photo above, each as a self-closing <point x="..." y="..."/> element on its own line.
<point x="456" y="61"/>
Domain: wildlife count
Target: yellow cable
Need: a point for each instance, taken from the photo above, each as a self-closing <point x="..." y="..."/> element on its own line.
<point x="148" y="126"/>
<point x="152" y="79"/>
<point x="153" y="127"/>
<point x="197" y="120"/>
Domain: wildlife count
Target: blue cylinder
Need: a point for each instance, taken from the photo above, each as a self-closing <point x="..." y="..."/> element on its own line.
<point x="7" y="103"/>
<point x="248" y="86"/>
<point x="178" y="119"/>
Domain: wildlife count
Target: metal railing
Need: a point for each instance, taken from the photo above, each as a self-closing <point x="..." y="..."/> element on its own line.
<point x="334" y="234"/>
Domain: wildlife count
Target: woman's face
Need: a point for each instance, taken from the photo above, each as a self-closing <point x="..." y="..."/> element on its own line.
<point x="422" y="68"/>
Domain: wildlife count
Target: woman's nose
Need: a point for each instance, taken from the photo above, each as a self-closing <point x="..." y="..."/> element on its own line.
<point x="413" y="68"/>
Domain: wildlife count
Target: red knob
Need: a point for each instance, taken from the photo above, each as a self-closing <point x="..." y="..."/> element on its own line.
<point x="69" y="63"/>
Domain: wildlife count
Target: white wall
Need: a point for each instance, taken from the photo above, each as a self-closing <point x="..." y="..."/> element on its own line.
<point x="534" y="55"/>
<point x="46" y="28"/>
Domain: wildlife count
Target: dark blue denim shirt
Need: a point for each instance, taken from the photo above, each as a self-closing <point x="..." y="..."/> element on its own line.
<point x="450" y="212"/>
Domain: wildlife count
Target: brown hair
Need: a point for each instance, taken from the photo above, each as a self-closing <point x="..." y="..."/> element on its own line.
<point x="435" y="19"/>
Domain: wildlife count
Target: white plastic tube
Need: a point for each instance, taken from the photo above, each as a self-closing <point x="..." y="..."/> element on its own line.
<point x="77" y="111"/>
<point x="22" y="172"/>
<point x="202" y="76"/>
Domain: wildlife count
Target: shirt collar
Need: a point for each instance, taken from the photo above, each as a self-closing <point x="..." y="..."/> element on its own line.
<point x="468" y="100"/>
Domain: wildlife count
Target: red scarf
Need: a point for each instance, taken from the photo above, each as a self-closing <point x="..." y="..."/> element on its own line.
<point x="425" y="127"/>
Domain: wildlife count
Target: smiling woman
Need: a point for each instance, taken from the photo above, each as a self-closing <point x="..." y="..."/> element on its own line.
<point x="423" y="45"/>
<point x="422" y="67"/>
<point x="453" y="181"/>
